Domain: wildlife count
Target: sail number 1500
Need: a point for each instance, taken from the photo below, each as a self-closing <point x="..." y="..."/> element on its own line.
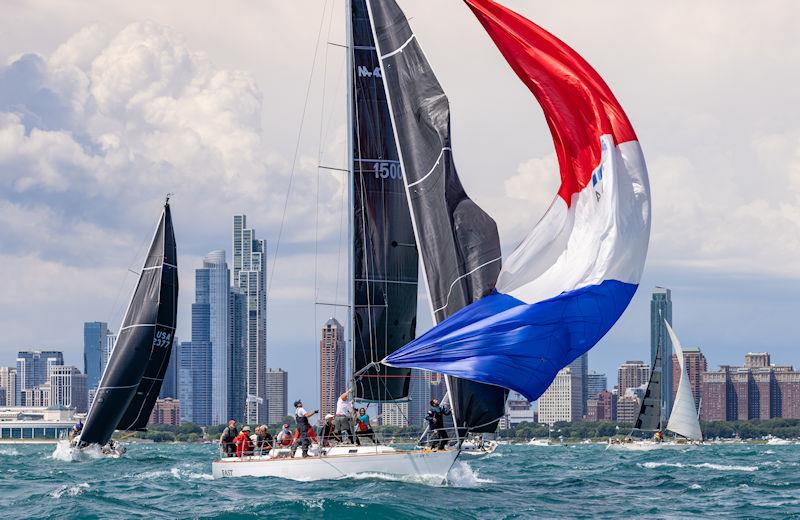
<point x="387" y="170"/>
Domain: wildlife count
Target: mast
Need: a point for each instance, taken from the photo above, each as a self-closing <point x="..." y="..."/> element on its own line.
<point x="350" y="195"/>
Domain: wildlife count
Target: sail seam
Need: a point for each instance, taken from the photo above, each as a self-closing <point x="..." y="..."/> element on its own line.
<point x="399" y="49"/>
<point x="438" y="159"/>
<point x="450" y="291"/>
<point x="147" y="325"/>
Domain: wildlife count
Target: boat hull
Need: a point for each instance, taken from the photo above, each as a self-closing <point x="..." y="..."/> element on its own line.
<point x="338" y="464"/>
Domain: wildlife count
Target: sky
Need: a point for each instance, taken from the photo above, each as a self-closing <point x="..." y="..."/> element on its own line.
<point x="106" y="106"/>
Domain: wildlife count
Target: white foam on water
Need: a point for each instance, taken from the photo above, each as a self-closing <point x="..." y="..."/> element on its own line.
<point x="9" y="452"/>
<point x="462" y="475"/>
<point x="769" y="452"/>
<point x="428" y="480"/>
<point x="68" y="490"/>
<point x="178" y="473"/>
<point x="706" y="465"/>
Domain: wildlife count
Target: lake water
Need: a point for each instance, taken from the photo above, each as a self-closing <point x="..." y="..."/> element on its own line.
<point x="582" y="481"/>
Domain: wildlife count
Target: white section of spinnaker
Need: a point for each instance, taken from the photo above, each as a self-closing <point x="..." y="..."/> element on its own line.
<point x="602" y="236"/>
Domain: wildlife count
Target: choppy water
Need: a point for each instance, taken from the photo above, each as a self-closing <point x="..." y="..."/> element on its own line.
<point x="174" y="481"/>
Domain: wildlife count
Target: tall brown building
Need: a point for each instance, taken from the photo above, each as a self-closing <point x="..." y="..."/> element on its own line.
<point x="602" y="407"/>
<point x="757" y="390"/>
<point x="632" y="374"/>
<point x="166" y="411"/>
<point x="696" y="366"/>
<point x="332" y="377"/>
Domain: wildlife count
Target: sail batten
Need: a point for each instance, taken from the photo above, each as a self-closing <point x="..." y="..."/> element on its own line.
<point x="132" y="379"/>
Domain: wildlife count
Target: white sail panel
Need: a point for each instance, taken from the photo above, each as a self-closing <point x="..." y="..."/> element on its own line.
<point x="683" y="419"/>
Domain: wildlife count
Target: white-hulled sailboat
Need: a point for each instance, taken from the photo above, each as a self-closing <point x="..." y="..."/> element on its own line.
<point x="683" y="420"/>
<point x="498" y="327"/>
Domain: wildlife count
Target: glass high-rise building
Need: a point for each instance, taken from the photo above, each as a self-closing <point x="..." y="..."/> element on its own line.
<point x="277" y="394"/>
<point x="94" y="344"/>
<point x="169" y="387"/>
<point x="33" y="369"/>
<point x="661" y="310"/>
<point x="250" y="275"/>
<point x="595" y="383"/>
<point x="237" y="326"/>
<point x="212" y="287"/>
<point x="194" y="381"/>
<point x="420" y="394"/>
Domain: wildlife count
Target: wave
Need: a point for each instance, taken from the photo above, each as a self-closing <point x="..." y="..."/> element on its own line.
<point x="178" y="473"/>
<point x="705" y="465"/>
<point x="9" y="452"/>
<point x="68" y="490"/>
<point x="461" y="476"/>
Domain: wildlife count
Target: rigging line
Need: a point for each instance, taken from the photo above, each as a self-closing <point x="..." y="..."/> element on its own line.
<point x="296" y="153"/>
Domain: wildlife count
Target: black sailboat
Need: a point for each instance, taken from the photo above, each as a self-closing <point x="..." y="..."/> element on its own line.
<point x="650" y="411"/>
<point x="458" y="241"/>
<point x="132" y="379"/>
<point x="385" y="261"/>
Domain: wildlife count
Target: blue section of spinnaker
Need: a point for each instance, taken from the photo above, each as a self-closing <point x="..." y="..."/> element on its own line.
<point x="503" y="341"/>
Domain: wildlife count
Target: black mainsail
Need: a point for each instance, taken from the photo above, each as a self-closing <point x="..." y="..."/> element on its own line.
<point x="458" y="241"/>
<point x="385" y="261"/>
<point x="132" y="379"/>
<point x="649" y="418"/>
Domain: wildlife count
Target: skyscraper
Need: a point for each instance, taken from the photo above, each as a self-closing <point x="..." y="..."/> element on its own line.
<point x="105" y="353"/>
<point x="631" y="374"/>
<point x="94" y="343"/>
<point x="237" y="326"/>
<point x="420" y="394"/>
<point x="331" y="365"/>
<point x="661" y="310"/>
<point x="169" y="387"/>
<point x="212" y="287"/>
<point x="563" y="399"/>
<point x="595" y="383"/>
<point x="8" y="382"/>
<point x="277" y="394"/>
<point x="581" y="367"/>
<point x="249" y="275"/>
<point x="33" y="369"/>
<point x="68" y="388"/>
<point x="194" y="381"/>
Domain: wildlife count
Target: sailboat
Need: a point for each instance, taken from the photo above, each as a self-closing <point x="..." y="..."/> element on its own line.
<point x="132" y="378"/>
<point x="496" y="327"/>
<point x="683" y="419"/>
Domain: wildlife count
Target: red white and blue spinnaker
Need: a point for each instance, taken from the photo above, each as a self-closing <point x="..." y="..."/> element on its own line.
<point x="572" y="277"/>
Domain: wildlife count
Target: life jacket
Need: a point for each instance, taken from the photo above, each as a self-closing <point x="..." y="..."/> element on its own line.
<point x="302" y="423"/>
<point x="362" y="425"/>
<point x="228" y="435"/>
<point x="285" y="438"/>
<point x="242" y="443"/>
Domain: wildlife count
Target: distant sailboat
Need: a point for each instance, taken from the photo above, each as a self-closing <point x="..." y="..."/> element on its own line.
<point x="683" y="419"/>
<point x="132" y="378"/>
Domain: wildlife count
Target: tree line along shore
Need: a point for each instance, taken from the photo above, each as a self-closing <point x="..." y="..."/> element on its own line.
<point x="746" y="430"/>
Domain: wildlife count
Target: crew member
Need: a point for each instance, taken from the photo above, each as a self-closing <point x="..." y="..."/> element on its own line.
<point x="363" y="428"/>
<point x="285" y="438"/>
<point x="304" y="429"/>
<point x="76" y="430"/>
<point x="344" y="423"/>
<point x="227" y="438"/>
<point x="242" y="442"/>
<point x="329" y="432"/>
<point x="436" y="421"/>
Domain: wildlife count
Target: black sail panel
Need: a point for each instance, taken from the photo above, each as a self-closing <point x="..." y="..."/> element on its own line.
<point x="125" y="398"/>
<point x="458" y="241"/>
<point x="385" y="254"/>
<point x="649" y="418"/>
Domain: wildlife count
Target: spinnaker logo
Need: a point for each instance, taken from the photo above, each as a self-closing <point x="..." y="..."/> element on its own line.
<point x="364" y="72"/>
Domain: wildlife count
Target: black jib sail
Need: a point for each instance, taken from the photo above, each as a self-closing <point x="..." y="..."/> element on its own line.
<point x="132" y="379"/>
<point x="459" y="243"/>
<point x="649" y="418"/>
<point x="385" y="253"/>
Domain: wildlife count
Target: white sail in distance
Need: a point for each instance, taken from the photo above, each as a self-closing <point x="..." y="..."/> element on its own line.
<point x="683" y="419"/>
